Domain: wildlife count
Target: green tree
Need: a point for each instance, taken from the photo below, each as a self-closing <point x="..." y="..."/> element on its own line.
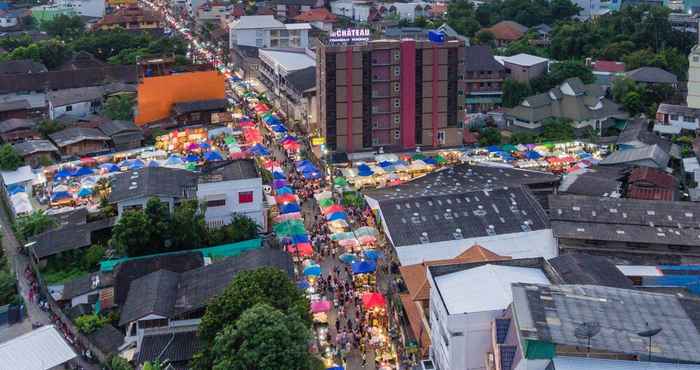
<point x="263" y="338"/>
<point x="8" y="286"/>
<point x="157" y="365"/>
<point x="188" y="226"/>
<point x="47" y="127"/>
<point x="119" y="107"/>
<point x="489" y="136"/>
<point x="64" y="26"/>
<point x="632" y="102"/>
<point x="621" y="87"/>
<point x="568" y="69"/>
<point x="119" y="363"/>
<point x="90" y="322"/>
<point x="523" y="138"/>
<point x="484" y="38"/>
<point x="515" y="92"/>
<point x="159" y="221"/>
<point x="241" y="228"/>
<point x="132" y="234"/>
<point x="92" y="257"/>
<point x="10" y="160"/>
<point x="34" y="223"/>
<point x="460" y="16"/>
<point x="262" y="286"/>
<point x="557" y="129"/>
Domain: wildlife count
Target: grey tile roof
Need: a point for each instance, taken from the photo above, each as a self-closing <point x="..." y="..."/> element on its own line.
<point x="58" y="80"/>
<point x="153" y="294"/>
<point x="60" y="240"/>
<point x="229" y="170"/>
<point x="171" y="347"/>
<point x="598" y="181"/>
<point x="553" y="313"/>
<point x="21" y="104"/>
<point x="153" y="181"/>
<point x="462" y="215"/>
<point x="680" y="110"/>
<point x="13" y="124"/>
<point x="20" y="67"/>
<point x="34" y="146"/>
<point x="85" y="284"/>
<point x="651" y="156"/>
<point x="74" y="135"/>
<point x="480" y="58"/>
<point x="651" y="75"/>
<point x="199" y="106"/>
<point x="172" y="294"/>
<point x="625" y="220"/>
<point x="107" y="338"/>
<point x="116" y="127"/>
<point x="636" y="133"/>
<point x="579" y="268"/>
<point x="72" y="96"/>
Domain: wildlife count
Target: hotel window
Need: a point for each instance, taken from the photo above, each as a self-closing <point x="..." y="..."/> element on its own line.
<point x="397" y="119"/>
<point x="441" y="137"/>
<point x="216" y="203"/>
<point x="397" y="71"/>
<point x="397" y="103"/>
<point x="245" y="197"/>
<point x="397" y="87"/>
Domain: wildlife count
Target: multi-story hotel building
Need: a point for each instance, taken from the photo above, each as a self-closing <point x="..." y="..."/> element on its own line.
<point x="396" y="94"/>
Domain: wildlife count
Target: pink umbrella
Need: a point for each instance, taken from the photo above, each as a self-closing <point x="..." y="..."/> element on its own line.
<point x="192" y="146"/>
<point x="367" y="239"/>
<point x="348" y="242"/>
<point x="288" y="216"/>
<point x="320" y="306"/>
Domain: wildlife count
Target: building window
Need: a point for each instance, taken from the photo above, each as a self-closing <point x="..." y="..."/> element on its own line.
<point x="69" y="108"/>
<point x="397" y="103"/>
<point x="696" y="58"/>
<point x="397" y="119"/>
<point x="688" y="119"/>
<point x="245" y="197"/>
<point x="157" y="323"/>
<point x="397" y="88"/>
<point x="397" y="71"/>
<point x="216" y="203"/>
<point x="674" y="117"/>
<point x="195" y="116"/>
<point x="397" y="134"/>
<point x="441" y="137"/>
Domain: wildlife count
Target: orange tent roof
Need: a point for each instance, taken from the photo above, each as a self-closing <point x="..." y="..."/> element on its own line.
<point x="316" y="15"/>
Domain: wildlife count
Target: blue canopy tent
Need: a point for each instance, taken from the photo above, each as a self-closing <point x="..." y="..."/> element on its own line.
<point x="493" y="148"/>
<point x="109" y="167"/>
<point x="336" y="368"/>
<point x="153" y="164"/>
<point x="347" y="258"/>
<point x="303" y="238"/>
<point x="303" y="284"/>
<point x="337" y="216"/>
<point x="430" y="160"/>
<point x="289" y="139"/>
<point x="312" y="270"/>
<point x="136" y="164"/>
<point x="279" y="184"/>
<point x="82" y="171"/>
<point x="59" y="195"/>
<point x="192" y="158"/>
<point x="15" y="189"/>
<point x="204" y="145"/>
<point x="364" y="170"/>
<point x="85" y="192"/>
<point x="289" y="208"/>
<point x="284" y="190"/>
<point x="303" y="162"/>
<point x="308" y="167"/>
<point x="279" y="128"/>
<point x="258" y="149"/>
<point x="531" y="154"/>
<point x="311" y="175"/>
<point x="174" y="160"/>
<point x="384" y="164"/>
<point x="278" y="176"/>
<point x="373" y="254"/>
<point x="64" y="173"/>
<point x="213" y="156"/>
<point x="363" y="267"/>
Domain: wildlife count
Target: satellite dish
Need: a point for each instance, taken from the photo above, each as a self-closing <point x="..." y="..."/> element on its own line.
<point x="587" y="330"/>
<point x="649" y="333"/>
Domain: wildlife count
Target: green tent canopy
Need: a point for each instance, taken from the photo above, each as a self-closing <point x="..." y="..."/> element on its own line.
<point x="509" y="148"/>
<point x="229" y="140"/>
<point x="191" y="166"/>
<point x="440" y="159"/>
<point x="418" y="156"/>
<point x="340" y="181"/>
<point x="326" y="202"/>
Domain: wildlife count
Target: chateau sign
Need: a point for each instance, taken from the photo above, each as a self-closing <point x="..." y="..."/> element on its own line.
<point x="349" y="35"/>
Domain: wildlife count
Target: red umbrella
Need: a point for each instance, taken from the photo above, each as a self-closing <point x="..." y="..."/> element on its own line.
<point x="291" y="145"/>
<point x="87" y="161"/>
<point x="333" y="209"/>
<point x="286" y="198"/>
<point x="243" y="124"/>
<point x="260" y="107"/>
<point x="301" y="249"/>
<point x="373" y="300"/>
<point x="238" y="155"/>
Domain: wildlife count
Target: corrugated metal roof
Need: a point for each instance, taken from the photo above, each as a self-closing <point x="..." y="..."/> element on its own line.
<point x="40" y="349"/>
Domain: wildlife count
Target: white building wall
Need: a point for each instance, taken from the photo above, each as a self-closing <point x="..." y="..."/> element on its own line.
<point x="89" y="8"/>
<point x="229" y="190"/>
<point x="8" y="21"/>
<point x="693" y="99"/>
<point x="81" y="109"/>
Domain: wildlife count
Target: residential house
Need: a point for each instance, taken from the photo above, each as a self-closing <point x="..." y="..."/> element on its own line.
<point x="41" y="348"/>
<point x="673" y="119"/>
<point x="426" y="219"/>
<point x="524" y="67"/>
<point x="78" y="102"/>
<point x="226" y="187"/>
<point x="124" y="135"/>
<point x="288" y="9"/>
<point x="640" y="231"/>
<point x="80" y="141"/>
<point x="69" y="236"/>
<point x="605" y="71"/>
<point x="214" y="12"/>
<point x="652" y="184"/>
<point x="648" y="156"/>
<point x="18" y="129"/>
<point x="81" y="60"/>
<point x="377" y="11"/>
<point x="583" y="330"/>
<point x="21" y="66"/>
<point x="85" y="289"/>
<point x="276" y="66"/>
<point x="37" y="153"/>
<point x="319" y="18"/>
<point x="165" y="299"/>
<point x="197" y="112"/>
<point x="12" y="19"/>
<point x="542" y="35"/>
<point x="600" y="181"/>
<point x="264" y="31"/>
<point x="652" y="76"/>
<point x="466" y="298"/>
<point x="693" y="99"/>
<point x="585" y="105"/>
<point x="505" y="32"/>
<point x="635" y="135"/>
<point x="131" y="18"/>
<point x="483" y="80"/>
<point x="17" y="109"/>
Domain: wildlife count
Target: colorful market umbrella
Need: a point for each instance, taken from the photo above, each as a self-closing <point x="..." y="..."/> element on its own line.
<point x="85" y="192"/>
<point x="320" y="306"/>
<point x="88" y="161"/>
<point x="82" y="171"/>
<point x="366" y="230"/>
<point x="59" y="195"/>
<point x="230" y="140"/>
<point x="440" y="159"/>
<point x="289" y="139"/>
<point x="312" y="270"/>
<point x="301" y="238"/>
<point x="342" y="236"/>
<point x="284" y="190"/>
<point x="366" y="239"/>
<point x="278" y="176"/>
<point x="291" y="146"/>
<point x="418" y="156"/>
<point x="326" y="202"/>
<point x="302" y="250"/>
<point x="303" y="284"/>
<point x="204" y="145"/>
<point x="288" y="216"/>
<point x="311" y="175"/>
<point x="63" y="173"/>
<point x="213" y="156"/>
<point x="336" y="216"/>
<point x="192" y="158"/>
<point x="174" y="160"/>
<point x="347" y="258"/>
<point x="340" y="181"/>
<point x="289" y="208"/>
<point x="279" y="183"/>
<point x="348" y="242"/>
<point x="332" y="209"/>
<point x="259" y="149"/>
<point x="373" y="254"/>
<point x="136" y="164"/>
<point x="363" y="267"/>
<point x="373" y="300"/>
<point x="109" y="167"/>
<point x="285" y="198"/>
<point x="430" y="160"/>
<point x="153" y="164"/>
<point x="279" y="128"/>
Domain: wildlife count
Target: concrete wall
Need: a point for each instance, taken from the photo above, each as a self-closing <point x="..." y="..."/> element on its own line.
<point x="229" y="191"/>
<point x="81" y="109"/>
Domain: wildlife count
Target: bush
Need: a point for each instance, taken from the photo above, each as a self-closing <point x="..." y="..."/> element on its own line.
<point x="92" y="257"/>
<point x="90" y="323"/>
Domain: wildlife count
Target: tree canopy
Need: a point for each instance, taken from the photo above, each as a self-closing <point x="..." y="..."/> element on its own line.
<point x="63" y="26"/>
<point x="10" y="160"/>
<point x="268" y="286"/>
<point x="557" y="129"/>
<point x="34" y="223"/>
<point x="263" y="338"/>
<point x="119" y="107"/>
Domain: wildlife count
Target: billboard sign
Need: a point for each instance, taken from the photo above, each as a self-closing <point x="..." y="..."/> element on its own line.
<point x="349" y="35"/>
